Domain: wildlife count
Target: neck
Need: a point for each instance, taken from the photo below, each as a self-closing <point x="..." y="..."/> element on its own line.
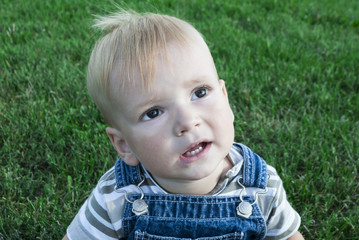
<point x="189" y="187"/>
<point x="195" y="187"/>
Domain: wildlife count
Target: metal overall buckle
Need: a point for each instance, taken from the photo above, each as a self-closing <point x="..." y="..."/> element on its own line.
<point x="244" y="208"/>
<point x="139" y="206"/>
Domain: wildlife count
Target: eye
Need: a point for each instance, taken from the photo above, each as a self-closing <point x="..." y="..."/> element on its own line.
<point x="200" y="93"/>
<point x="151" y="114"/>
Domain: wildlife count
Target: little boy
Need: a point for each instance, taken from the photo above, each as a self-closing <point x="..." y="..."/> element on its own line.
<point x="179" y="176"/>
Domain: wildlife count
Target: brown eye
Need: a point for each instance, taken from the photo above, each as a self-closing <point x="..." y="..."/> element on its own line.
<point x="151" y="114"/>
<point x="200" y="93"/>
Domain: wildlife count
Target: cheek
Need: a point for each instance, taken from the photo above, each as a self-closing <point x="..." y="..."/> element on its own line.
<point x="222" y="111"/>
<point x="223" y="119"/>
<point x="231" y="115"/>
<point x="148" y="140"/>
<point x="227" y="111"/>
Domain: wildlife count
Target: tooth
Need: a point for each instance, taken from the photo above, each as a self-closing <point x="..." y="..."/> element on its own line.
<point x="196" y="151"/>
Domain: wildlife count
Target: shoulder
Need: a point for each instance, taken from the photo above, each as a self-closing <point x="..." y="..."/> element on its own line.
<point x="100" y="216"/>
<point x="107" y="182"/>
<point x="282" y="220"/>
<point x="274" y="181"/>
<point x="273" y="188"/>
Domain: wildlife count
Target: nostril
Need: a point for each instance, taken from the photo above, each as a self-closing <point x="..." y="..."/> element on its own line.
<point x="179" y="134"/>
<point x="184" y="125"/>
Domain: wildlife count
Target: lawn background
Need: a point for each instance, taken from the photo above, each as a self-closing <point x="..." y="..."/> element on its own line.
<point x="291" y="69"/>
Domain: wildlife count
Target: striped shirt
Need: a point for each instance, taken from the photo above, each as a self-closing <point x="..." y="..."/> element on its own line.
<point x="100" y="217"/>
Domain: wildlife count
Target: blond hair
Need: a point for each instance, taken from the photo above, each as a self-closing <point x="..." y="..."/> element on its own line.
<point x="131" y="44"/>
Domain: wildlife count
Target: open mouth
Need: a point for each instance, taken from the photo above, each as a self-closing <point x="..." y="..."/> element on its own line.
<point x="195" y="150"/>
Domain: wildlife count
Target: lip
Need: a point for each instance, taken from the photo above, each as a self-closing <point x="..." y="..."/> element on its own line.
<point x="190" y="159"/>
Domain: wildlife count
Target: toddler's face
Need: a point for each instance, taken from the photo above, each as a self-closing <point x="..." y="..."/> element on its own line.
<point x="182" y="129"/>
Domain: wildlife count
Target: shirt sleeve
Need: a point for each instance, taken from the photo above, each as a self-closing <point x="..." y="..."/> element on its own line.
<point x="283" y="221"/>
<point x="93" y="221"/>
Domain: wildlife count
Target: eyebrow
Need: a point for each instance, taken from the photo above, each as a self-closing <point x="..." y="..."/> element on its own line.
<point x="154" y="98"/>
<point x="193" y="81"/>
<point x="141" y="106"/>
<point x="198" y="80"/>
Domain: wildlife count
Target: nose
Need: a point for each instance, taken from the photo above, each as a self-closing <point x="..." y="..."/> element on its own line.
<point x="185" y="121"/>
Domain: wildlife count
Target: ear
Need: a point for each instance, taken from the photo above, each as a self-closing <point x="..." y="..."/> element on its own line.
<point x="223" y="87"/>
<point x="121" y="146"/>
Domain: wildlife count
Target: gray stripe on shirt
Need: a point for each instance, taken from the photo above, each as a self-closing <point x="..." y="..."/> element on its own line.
<point x="77" y="231"/>
<point x="290" y="231"/>
<point x="99" y="225"/>
<point x="99" y="210"/>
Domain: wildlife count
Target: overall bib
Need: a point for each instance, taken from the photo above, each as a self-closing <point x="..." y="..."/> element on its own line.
<point x="173" y="216"/>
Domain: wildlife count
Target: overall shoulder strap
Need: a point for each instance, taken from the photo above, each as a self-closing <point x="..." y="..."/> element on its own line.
<point x="254" y="167"/>
<point x="125" y="174"/>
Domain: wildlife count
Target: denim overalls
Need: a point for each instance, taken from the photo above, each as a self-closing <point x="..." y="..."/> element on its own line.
<point x="172" y="216"/>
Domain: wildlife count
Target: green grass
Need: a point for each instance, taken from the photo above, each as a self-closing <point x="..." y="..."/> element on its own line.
<point x="291" y="69"/>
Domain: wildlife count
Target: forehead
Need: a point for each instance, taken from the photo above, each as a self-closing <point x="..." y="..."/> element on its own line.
<point x="185" y="63"/>
<point x="182" y="64"/>
<point x="164" y="62"/>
